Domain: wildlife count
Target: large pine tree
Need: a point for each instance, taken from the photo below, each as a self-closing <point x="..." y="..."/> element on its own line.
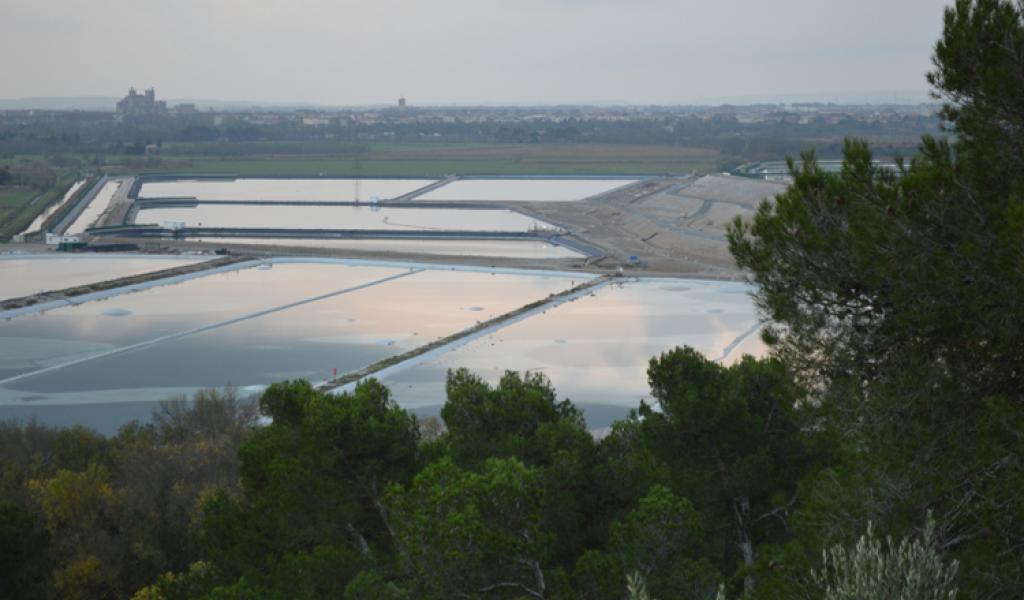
<point x="898" y="299"/>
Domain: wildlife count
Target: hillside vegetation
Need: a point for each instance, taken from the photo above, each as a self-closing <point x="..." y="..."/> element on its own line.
<point x="877" y="453"/>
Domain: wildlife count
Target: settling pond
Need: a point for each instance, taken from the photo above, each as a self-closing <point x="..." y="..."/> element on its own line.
<point x="22" y="275"/>
<point x="596" y="349"/>
<point x="103" y="363"/>
<point x="250" y="327"/>
<point x="95" y="209"/>
<point x="283" y="190"/>
<point x="525" y="190"/>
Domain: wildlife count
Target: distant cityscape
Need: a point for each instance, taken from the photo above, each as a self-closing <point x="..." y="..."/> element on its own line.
<point x="145" y="106"/>
<point x="144" y="124"/>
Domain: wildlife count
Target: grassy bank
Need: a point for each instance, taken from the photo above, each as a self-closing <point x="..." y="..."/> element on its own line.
<point x="13" y="200"/>
<point x="19" y="205"/>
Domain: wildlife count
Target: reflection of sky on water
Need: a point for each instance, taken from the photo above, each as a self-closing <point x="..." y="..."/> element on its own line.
<point x="596" y="349"/>
<point x="276" y="216"/>
<point x="105" y="418"/>
<point x="95" y="208"/>
<point x="125" y="405"/>
<point x="533" y="190"/>
<point x="505" y="248"/>
<point x="24" y="276"/>
<point x="345" y="332"/>
<point x="323" y="190"/>
<point x="38" y="340"/>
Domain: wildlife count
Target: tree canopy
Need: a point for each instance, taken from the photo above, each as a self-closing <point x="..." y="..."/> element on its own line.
<point x="895" y="300"/>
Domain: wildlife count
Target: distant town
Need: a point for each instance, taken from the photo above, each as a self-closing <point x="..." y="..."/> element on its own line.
<point x="143" y="118"/>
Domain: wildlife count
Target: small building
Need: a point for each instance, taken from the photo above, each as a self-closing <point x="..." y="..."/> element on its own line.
<point x="54" y="239"/>
<point x="65" y="243"/>
<point x="172" y="225"/>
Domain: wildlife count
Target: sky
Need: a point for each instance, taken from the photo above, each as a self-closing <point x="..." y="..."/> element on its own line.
<point x="441" y="52"/>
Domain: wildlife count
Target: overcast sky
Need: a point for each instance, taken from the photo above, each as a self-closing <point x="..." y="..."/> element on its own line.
<point x="350" y="52"/>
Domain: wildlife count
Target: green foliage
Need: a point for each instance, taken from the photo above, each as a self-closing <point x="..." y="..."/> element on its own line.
<point x="370" y="585"/>
<point x="312" y="515"/>
<point x="978" y="62"/>
<point x="598" y="575"/>
<point x="164" y="470"/>
<point x="732" y="440"/>
<point x="895" y="303"/>
<point x="624" y="470"/>
<point x="80" y="511"/>
<point x="77" y="447"/>
<point x="660" y="542"/>
<point x="912" y="570"/>
<point x="626" y="463"/>
<point x="467" y="534"/>
<point x="302" y="511"/>
<point x="739" y="423"/>
<point x="179" y="586"/>
<point x="286" y="402"/>
<point x="240" y="590"/>
<point x="660" y="525"/>
<point x="120" y="511"/>
<point x="310" y="575"/>
<point x="23" y="560"/>
<point x="86" y="578"/>
<point x="520" y="417"/>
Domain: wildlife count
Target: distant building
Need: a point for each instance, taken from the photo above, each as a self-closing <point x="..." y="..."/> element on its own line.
<point x="141" y="105"/>
<point x="53" y="239"/>
<point x="184" y="109"/>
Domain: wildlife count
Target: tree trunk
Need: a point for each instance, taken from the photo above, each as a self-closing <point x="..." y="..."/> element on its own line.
<point x="741" y="512"/>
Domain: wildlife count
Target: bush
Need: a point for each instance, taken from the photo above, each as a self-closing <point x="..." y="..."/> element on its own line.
<point x="912" y="570"/>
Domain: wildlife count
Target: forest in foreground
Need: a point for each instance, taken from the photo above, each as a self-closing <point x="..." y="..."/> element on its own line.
<point x="877" y="453"/>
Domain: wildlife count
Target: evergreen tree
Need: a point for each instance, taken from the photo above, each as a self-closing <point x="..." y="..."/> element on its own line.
<point x="731" y="438"/>
<point x="896" y="302"/>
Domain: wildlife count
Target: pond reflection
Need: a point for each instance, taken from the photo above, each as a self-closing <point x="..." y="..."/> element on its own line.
<point x="596" y="349"/>
<point x="27" y="275"/>
<point x="325" y="190"/>
<point x="531" y="190"/>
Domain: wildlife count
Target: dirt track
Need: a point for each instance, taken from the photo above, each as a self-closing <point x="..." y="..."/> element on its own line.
<point x="673" y="226"/>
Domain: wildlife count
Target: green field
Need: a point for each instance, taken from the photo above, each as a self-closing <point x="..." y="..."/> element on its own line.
<point x="20" y="205"/>
<point x="15" y="201"/>
<point x="443" y="159"/>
